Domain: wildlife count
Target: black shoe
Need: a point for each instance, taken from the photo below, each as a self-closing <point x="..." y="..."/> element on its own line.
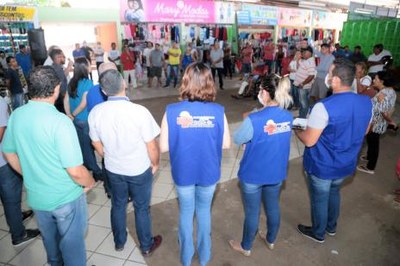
<point x="26" y="215"/>
<point x="156" y="243"/>
<point x="221" y="88"/>
<point x="30" y="234"/>
<point x="333" y="233"/>
<point x="307" y="232"/>
<point x="166" y="86"/>
<point x="119" y="248"/>
<point x="393" y="127"/>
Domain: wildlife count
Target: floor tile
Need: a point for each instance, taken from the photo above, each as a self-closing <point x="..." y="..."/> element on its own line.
<point x="92" y="209"/>
<point x="3" y="223"/>
<point x="7" y="250"/>
<point x="103" y="260"/>
<point x="108" y="248"/>
<point x="173" y="194"/>
<point x="97" y="196"/>
<point x="156" y="200"/>
<point x="101" y="217"/>
<point x="133" y="263"/>
<point x="3" y="234"/>
<point x="161" y="190"/>
<point x="165" y="177"/>
<point x="95" y="236"/>
<point x="137" y="256"/>
<point x="1" y="210"/>
<point x="33" y="254"/>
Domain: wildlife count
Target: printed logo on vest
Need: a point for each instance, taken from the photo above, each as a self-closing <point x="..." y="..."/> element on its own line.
<point x="185" y="120"/>
<point x="272" y="128"/>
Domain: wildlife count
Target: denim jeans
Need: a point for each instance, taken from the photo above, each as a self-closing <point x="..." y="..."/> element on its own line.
<point x="17" y="100"/>
<point x="139" y="189"/>
<point x="304" y="101"/>
<point x="294" y="91"/>
<point x="89" y="159"/>
<point x="325" y="204"/>
<point x="172" y="70"/>
<point x="195" y="199"/>
<point x="220" y="78"/>
<point x="10" y="194"/>
<point x="252" y="195"/>
<point x="63" y="231"/>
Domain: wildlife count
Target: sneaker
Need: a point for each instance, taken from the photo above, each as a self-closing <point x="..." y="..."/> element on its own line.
<point x="30" y="234"/>
<point x="156" y="243"/>
<point x="262" y="236"/>
<point x="363" y="168"/>
<point x="363" y="158"/>
<point x="26" y="215"/>
<point x="119" y="248"/>
<point x="307" y="232"/>
<point x="166" y="86"/>
<point x="331" y="233"/>
<point x="236" y="246"/>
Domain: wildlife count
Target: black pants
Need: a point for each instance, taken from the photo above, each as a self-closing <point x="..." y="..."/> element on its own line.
<point x="228" y="67"/>
<point x="373" y="149"/>
<point x="97" y="65"/>
<point x="220" y="72"/>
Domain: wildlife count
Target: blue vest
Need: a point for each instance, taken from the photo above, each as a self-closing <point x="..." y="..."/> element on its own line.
<point x="195" y="134"/>
<point x="266" y="156"/>
<point x="335" y="154"/>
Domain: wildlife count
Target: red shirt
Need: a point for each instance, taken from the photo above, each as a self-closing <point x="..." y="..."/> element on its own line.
<point x="247" y="54"/>
<point x="128" y="60"/>
<point x="285" y="65"/>
<point x="269" y="50"/>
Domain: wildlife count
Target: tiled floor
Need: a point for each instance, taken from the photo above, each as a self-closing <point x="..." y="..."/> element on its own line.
<point x="99" y="239"/>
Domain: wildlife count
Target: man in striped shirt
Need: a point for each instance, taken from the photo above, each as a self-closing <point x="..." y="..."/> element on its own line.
<point x="305" y="74"/>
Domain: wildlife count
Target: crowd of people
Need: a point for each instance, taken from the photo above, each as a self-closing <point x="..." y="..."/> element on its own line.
<point x="51" y="141"/>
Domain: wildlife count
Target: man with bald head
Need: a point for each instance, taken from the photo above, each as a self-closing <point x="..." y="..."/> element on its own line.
<point x="95" y="94"/>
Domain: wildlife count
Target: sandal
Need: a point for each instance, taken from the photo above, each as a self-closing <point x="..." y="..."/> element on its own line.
<point x="262" y="236"/>
<point x="238" y="247"/>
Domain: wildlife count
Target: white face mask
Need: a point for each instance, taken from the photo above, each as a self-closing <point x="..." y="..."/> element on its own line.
<point x="328" y="82"/>
<point x="260" y="98"/>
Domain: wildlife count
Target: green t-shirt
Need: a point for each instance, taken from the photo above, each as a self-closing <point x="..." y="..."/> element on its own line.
<point x="46" y="143"/>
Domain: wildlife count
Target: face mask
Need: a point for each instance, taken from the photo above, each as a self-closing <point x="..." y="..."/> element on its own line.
<point x="328" y="82"/>
<point x="260" y="98"/>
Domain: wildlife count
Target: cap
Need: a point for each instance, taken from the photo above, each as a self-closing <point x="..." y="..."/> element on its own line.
<point x="308" y="48"/>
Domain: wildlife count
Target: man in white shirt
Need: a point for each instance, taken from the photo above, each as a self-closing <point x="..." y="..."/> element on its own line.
<point x="304" y="79"/>
<point x="114" y="56"/>
<point x="146" y="54"/>
<point x="375" y="61"/>
<point x="99" y="54"/>
<point x="217" y="65"/>
<point x="3" y="60"/>
<point x="125" y="134"/>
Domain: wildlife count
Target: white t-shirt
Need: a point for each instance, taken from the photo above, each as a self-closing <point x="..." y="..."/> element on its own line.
<point x="366" y="81"/>
<point x="293" y="65"/>
<point x="3" y="123"/>
<point x="114" y="54"/>
<point x="146" y="54"/>
<point x="124" y="128"/>
<point x="305" y="69"/>
<point x="376" y="58"/>
<point x="99" y="52"/>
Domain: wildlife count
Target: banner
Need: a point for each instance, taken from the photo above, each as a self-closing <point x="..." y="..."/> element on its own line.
<point x="327" y="20"/>
<point x="258" y="15"/>
<point x="224" y="13"/>
<point x="168" y="11"/>
<point x="16" y="13"/>
<point x="294" y="17"/>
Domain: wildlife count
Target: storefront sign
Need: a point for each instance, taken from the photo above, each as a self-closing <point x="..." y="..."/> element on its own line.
<point x="224" y="13"/>
<point x="168" y="11"/>
<point x="16" y="13"/>
<point x="259" y="15"/>
<point x="294" y="17"/>
<point x="327" y="20"/>
<point x="243" y="17"/>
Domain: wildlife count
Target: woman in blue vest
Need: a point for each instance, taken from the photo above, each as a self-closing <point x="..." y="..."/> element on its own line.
<point x="195" y="131"/>
<point x="266" y="134"/>
<point x="75" y="108"/>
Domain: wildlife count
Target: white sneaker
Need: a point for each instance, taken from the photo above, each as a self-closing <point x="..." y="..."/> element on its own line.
<point x="364" y="169"/>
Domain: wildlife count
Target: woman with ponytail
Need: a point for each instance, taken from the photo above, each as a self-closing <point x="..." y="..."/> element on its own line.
<point x="266" y="134"/>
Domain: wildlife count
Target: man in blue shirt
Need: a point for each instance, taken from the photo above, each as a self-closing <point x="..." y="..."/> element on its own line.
<point x="333" y="138"/>
<point x="78" y="52"/>
<point x="24" y="60"/>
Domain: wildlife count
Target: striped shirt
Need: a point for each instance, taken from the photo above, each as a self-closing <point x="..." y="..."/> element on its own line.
<point x="305" y="68"/>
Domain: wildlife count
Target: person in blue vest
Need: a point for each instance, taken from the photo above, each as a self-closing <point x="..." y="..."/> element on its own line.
<point x="195" y="131"/>
<point x="24" y="60"/>
<point x="266" y="134"/>
<point x="333" y="138"/>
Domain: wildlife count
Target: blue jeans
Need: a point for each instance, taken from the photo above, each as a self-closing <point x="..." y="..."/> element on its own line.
<point x="252" y="195"/>
<point x="172" y="70"/>
<point x="10" y="194"/>
<point x="304" y="101"/>
<point x="139" y="189"/>
<point x="63" y="231"/>
<point x="325" y="204"/>
<point x="17" y="100"/>
<point x="294" y="91"/>
<point x="195" y="199"/>
<point x="89" y="159"/>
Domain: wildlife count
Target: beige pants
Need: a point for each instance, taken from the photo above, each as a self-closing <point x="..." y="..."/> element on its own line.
<point x="131" y="73"/>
